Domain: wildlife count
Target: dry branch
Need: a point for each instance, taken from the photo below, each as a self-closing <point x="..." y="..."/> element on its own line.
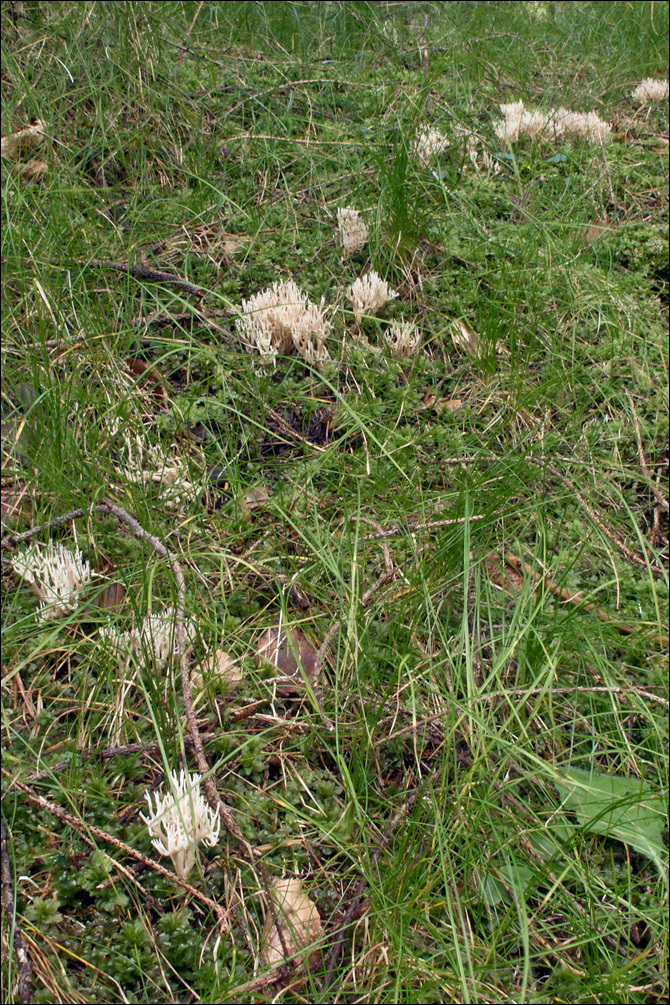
<point x="180" y="650"/>
<point x="144" y="271"/>
<point x="25" y="971"/>
<point x="643" y="460"/>
<point x="353" y="909"/>
<point x="573" y="598"/>
<point x="623" y="548"/>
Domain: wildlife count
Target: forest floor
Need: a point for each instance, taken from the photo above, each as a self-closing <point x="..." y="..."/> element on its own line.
<point x="395" y="581"/>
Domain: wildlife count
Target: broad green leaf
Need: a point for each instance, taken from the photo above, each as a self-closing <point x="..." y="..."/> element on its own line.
<point x="492" y="890"/>
<point x="618" y="807"/>
<point x="516" y="879"/>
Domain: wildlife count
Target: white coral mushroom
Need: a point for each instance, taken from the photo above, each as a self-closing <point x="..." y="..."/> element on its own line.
<point x="153" y="643"/>
<point x="143" y="463"/>
<point x="58" y="576"/>
<point x="157" y="636"/>
<point x="369" y="293"/>
<point x="403" y="339"/>
<point x="181" y="820"/>
<point x="353" y="232"/>
<point x="428" y="144"/>
<point x="650" y="90"/>
<point x="521" y="121"/>
<point x="282" y="318"/>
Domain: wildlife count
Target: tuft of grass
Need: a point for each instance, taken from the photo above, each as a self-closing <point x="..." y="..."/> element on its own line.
<point x="486" y="523"/>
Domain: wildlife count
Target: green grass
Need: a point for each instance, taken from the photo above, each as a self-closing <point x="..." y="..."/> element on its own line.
<point x="221" y="155"/>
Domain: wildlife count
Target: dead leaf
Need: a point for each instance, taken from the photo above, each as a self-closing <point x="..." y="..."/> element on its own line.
<point x="217" y="666"/>
<point x="297" y="596"/>
<point x="448" y="404"/>
<point x="34" y="170"/>
<point x="144" y="371"/>
<point x="301" y="926"/>
<point x="465" y="339"/>
<point x="231" y="243"/>
<point x="289" y="650"/>
<point x="111" y="598"/>
<point x="16" y="144"/>
<point x="506" y="577"/>
<point x="591" y="234"/>
<point x="257" y="497"/>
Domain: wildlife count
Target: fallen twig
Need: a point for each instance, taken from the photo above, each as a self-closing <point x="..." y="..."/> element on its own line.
<point x="181" y="652"/>
<point x="203" y="766"/>
<point x="190" y="29"/>
<point x="278" y="973"/>
<point x="25" y="970"/>
<point x="396" y="529"/>
<point x="204" y="317"/>
<point x="11" y="540"/>
<point x="643" y="460"/>
<point x="573" y="598"/>
<point x="144" y="271"/>
<point x="336" y="949"/>
<point x="623" y="548"/>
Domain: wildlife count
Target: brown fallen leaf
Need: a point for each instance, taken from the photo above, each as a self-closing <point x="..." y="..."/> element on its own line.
<point x="145" y="372"/>
<point x="232" y="243"/>
<point x="591" y="233"/>
<point x="292" y="653"/>
<point x="505" y="576"/>
<point x="297" y="596"/>
<point x="465" y="339"/>
<point x="111" y="598"/>
<point x="16" y="144"/>
<point x="218" y="666"/>
<point x="429" y="398"/>
<point x="447" y="403"/>
<point x="257" y="497"/>
<point x="301" y="926"/>
<point x="34" y="170"/>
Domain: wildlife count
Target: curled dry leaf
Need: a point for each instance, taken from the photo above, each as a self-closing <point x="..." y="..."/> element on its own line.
<point x="112" y="597"/>
<point x="145" y="372"/>
<point x="257" y="497"/>
<point x="217" y="666"/>
<point x="292" y="653"/>
<point x="591" y="234"/>
<point x="34" y="170"/>
<point x="232" y="243"/>
<point x="465" y="339"/>
<point x="17" y="144"/>
<point x="301" y="926"/>
<point x="447" y="404"/>
<point x="504" y="575"/>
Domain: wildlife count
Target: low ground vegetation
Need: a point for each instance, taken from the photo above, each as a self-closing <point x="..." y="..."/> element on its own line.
<point x="338" y="332"/>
